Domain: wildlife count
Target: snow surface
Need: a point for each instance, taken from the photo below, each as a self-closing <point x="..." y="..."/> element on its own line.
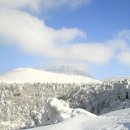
<point x="117" y="120"/>
<point x="58" y="110"/>
<point x="22" y="75"/>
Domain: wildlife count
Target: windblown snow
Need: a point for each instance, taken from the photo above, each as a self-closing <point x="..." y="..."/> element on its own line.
<point x="23" y="75"/>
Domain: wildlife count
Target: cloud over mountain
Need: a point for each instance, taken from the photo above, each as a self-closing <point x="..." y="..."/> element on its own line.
<point x="31" y="33"/>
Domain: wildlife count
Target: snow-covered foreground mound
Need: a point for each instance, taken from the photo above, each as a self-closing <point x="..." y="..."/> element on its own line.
<point x="118" y="120"/>
<point x="58" y="110"/>
<point x="54" y="111"/>
<point x="29" y="75"/>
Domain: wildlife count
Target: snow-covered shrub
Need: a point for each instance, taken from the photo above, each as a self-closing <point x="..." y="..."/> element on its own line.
<point x="27" y="102"/>
<point x="55" y="111"/>
<point x="58" y="110"/>
<point x="95" y="97"/>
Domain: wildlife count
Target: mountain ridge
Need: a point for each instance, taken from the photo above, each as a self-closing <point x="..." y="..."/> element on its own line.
<point x="22" y="75"/>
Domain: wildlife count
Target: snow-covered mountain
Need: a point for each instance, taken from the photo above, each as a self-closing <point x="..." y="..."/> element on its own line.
<point x="29" y="101"/>
<point x="22" y="75"/>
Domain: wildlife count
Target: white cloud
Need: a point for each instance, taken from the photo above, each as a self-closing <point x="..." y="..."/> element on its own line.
<point x="35" y="37"/>
<point x="125" y="34"/>
<point x="31" y="4"/>
<point x="42" y="4"/>
<point x="124" y="57"/>
<point x="96" y="53"/>
<point x="58" y="3"/>
<point x="124" y="54"/>
<point x="32" y="34"/>
<point x="117" y="43"/>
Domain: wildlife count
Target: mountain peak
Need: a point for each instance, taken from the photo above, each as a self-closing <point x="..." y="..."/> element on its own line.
<point x="30" y="75"/>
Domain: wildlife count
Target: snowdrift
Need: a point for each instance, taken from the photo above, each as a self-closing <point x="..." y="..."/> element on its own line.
<point x="117" y="120"/>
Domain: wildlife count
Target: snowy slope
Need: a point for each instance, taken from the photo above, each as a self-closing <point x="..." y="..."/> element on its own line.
<point x="118" y="120"/>
<point x="22" y="75"/>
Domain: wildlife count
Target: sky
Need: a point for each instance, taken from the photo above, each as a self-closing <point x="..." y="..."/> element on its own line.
<point x="95" y="33"/>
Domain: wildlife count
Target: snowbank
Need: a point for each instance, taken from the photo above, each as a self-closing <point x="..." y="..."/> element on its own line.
<point x="58" y="110"/>
<point x="118" y="120"/>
